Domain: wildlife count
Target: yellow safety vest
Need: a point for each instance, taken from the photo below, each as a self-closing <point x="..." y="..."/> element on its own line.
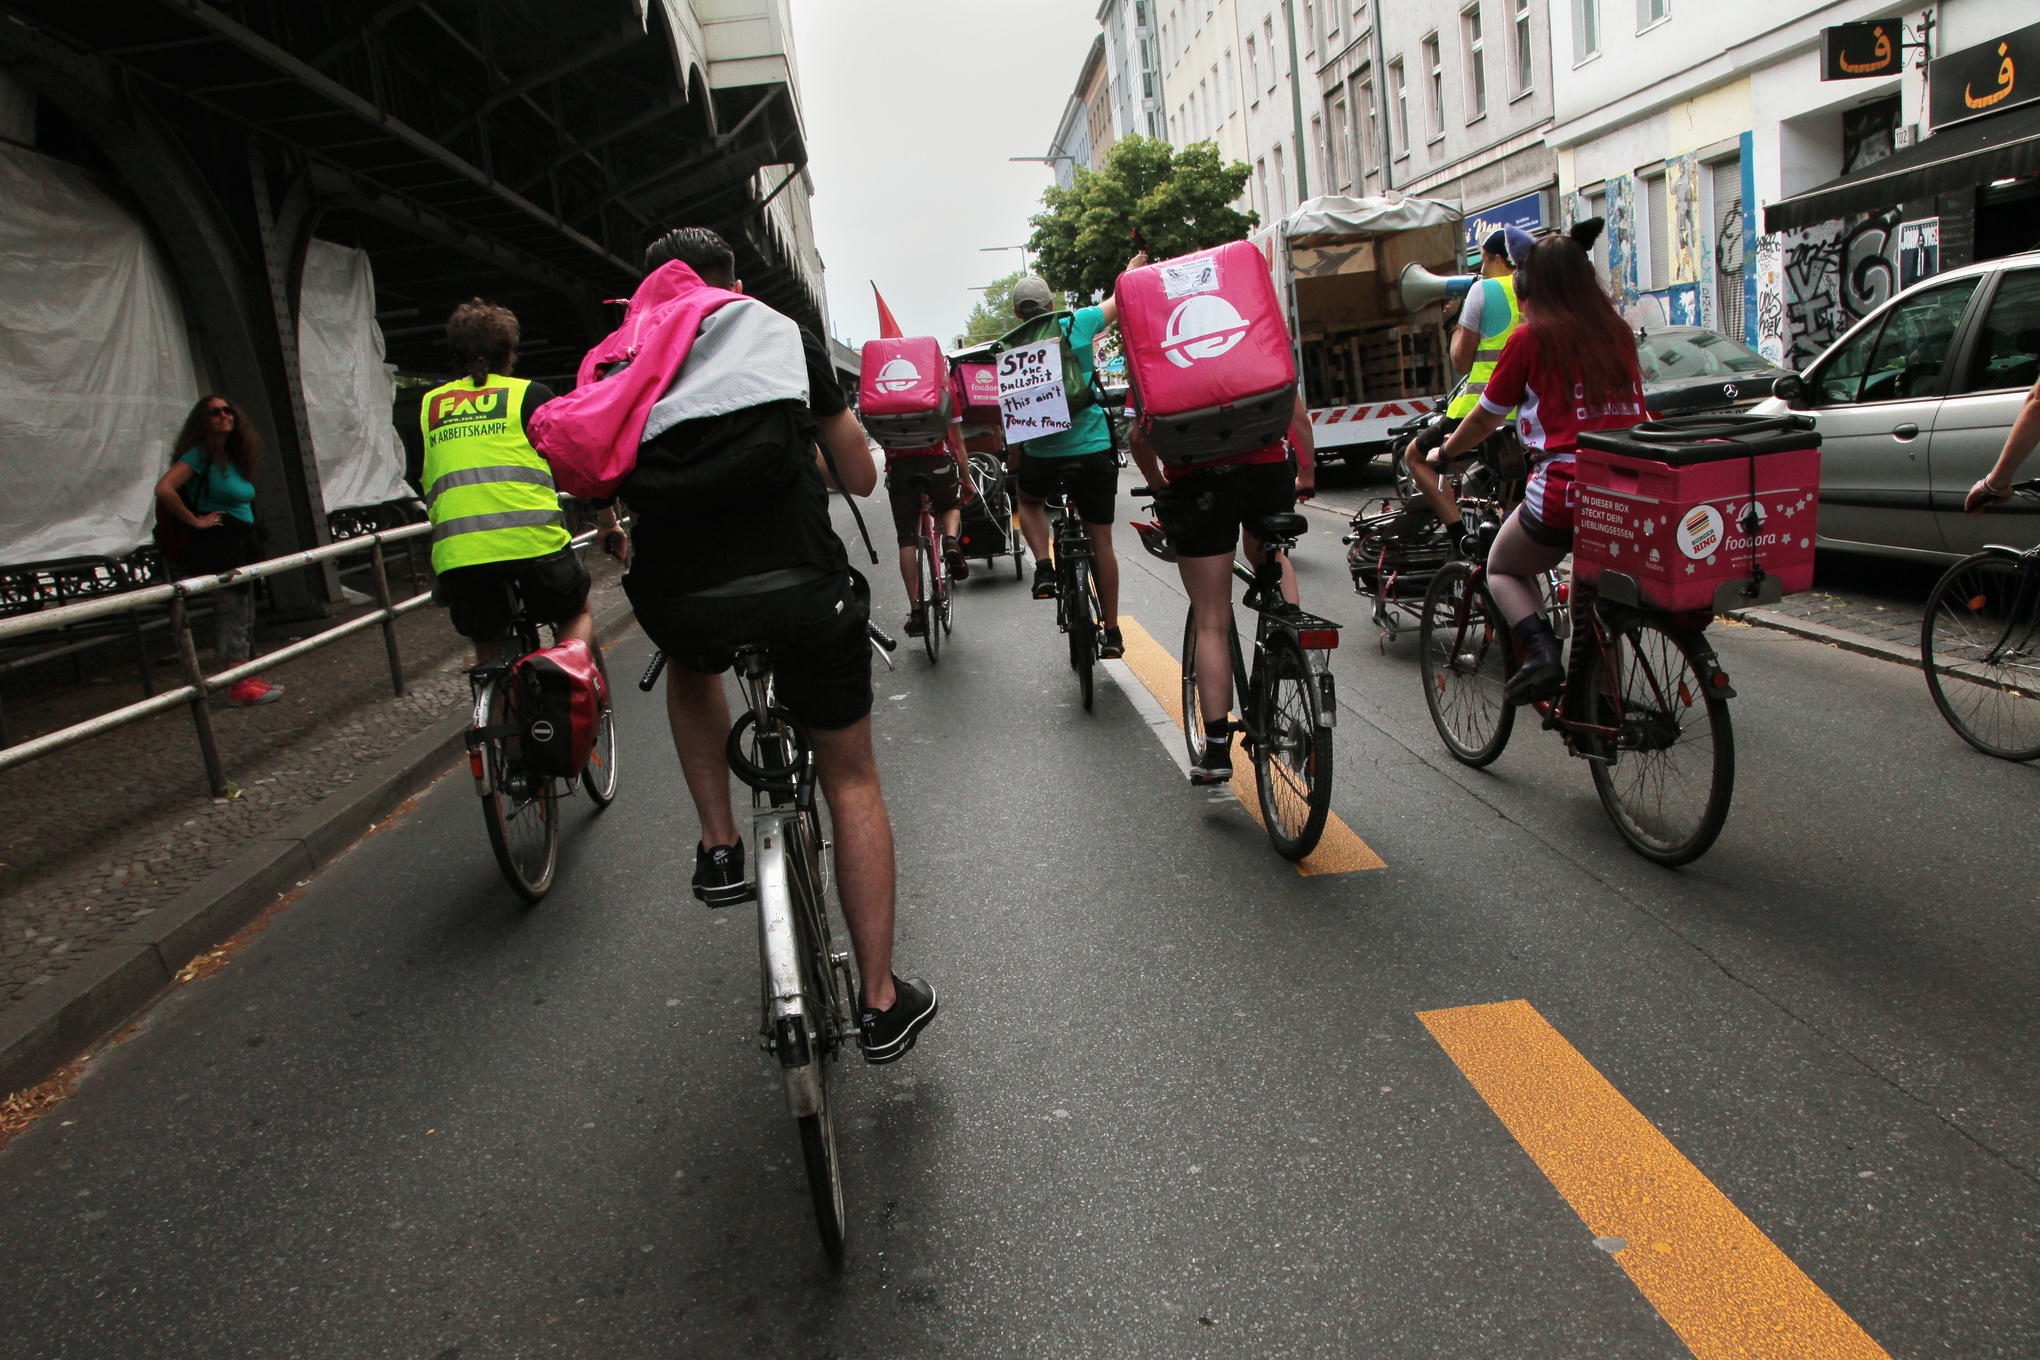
<point x="1490" y="351"/>
<point x="489" y="493"/>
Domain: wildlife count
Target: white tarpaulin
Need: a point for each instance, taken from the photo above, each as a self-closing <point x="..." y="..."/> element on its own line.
<point x="95" y="367"/>
<point x="1335" y="215"/>
<point x="349" y="390"/>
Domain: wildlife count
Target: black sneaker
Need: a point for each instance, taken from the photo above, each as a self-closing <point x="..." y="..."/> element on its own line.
<point x="1112" y="646"/>
<point x="1044" y="580"/>
<point x="952" y="553"/>
<point x="719" y="875"/>
<point x="885" y="1036"/>
<point x="1215" y="765"/>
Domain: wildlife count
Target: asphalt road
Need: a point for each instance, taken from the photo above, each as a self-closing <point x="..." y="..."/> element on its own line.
<point x="1178" y="1101"/>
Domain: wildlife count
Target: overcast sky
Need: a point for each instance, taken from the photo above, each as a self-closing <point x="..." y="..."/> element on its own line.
<point x="912" y="107"/>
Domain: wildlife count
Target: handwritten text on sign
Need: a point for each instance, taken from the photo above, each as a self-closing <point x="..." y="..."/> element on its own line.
<point x="1031" y="395"/>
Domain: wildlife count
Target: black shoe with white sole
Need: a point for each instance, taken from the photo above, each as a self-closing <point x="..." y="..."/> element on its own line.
<point x="1215" y="765"/>
<point x="719" y="875"/>
<point x="886" y="1035"/>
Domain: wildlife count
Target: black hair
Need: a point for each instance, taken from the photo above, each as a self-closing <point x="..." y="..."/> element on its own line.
<point x="700" y="249"/>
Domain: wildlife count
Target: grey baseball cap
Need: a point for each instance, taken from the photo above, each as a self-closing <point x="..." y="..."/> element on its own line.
<point x="1031" y="294"/>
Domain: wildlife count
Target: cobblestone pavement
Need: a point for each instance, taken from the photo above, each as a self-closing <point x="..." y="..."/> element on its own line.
<point x="1882" y="600"/>
<point x="97" y="836"/>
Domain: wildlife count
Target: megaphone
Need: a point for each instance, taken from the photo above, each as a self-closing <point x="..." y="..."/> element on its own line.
<point x="1420" y="287"/>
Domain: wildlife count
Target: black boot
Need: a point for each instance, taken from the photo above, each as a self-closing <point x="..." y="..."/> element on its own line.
<point x="1541" y="672"/>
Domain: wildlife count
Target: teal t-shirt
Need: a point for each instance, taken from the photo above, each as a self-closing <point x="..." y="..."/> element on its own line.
<point x="1088" y="432"/>
<point x="223" y="488"/>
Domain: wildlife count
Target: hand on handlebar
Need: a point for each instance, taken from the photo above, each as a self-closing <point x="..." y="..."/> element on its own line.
<point x="1983" y="494"/>
<point x="616" y="542"/>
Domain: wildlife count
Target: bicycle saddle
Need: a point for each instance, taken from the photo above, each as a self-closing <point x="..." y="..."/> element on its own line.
<point x="1291" y="525"/>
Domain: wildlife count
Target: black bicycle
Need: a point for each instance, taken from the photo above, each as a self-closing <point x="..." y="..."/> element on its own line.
<point x="1078" y="612"/>
<point x="1980" y="647"/>
<point x="1288" y="705"/>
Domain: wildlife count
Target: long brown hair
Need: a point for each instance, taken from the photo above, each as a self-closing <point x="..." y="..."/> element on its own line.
<point x="243" y="446"/>
<point x="1578" y="329"/>
<point x="483" y="338"/>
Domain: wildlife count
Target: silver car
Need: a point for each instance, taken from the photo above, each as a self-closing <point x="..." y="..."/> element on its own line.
<point x="1913" y="404"/>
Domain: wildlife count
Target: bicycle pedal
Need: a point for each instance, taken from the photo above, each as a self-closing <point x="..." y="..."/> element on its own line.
<point x="729" y="896"/>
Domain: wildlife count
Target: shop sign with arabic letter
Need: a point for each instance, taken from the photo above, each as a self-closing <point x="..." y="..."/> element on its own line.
<point x="1868" y="49"/>
<point x="1990" y="77"/>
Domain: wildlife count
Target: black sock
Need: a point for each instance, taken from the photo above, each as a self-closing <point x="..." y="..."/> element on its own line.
<point x="1457" y="531"/>
<point x="1218" y="732"/>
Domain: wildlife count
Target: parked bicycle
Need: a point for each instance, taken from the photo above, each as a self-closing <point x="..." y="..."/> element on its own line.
<point x="931" y="574"/>
<point x="809" y="986"/>
<point x="520" y="806"/>
<point x="1980" y="647"/>
<point x="1288" y="705"/>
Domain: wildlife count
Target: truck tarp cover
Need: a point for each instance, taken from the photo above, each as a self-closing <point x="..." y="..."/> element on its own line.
<point x="1334" y="217"/>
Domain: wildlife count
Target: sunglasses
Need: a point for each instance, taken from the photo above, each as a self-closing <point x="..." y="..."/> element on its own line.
<point x="219" y="411"/>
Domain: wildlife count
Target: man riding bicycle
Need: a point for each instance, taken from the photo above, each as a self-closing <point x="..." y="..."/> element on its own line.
<point x="714" y="573"/>
<point x="496" y="518"/>
<point x="947" y="469"/>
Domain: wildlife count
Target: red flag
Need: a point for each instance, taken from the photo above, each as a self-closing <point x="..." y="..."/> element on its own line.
<point x="888" y="328"/>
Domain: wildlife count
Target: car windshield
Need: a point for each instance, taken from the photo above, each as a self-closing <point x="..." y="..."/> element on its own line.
<point x="1691" y="352"/>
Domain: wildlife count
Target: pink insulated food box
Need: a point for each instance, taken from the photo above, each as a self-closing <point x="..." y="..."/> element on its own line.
<point x="1207" y="353"/>
<point x="903" y="391"/>
<point x="979" y="386"/>
<point x="1671" y="517"/>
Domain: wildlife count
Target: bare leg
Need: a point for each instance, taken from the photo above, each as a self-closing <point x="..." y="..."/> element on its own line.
<point x="1209" y="583"/>
<point x="1513" y="562"/>
<point x="1034" y="525"/>
<point x="580" y="626"/>
<point x="700" y="715"/>
<point x="864" y="852"/>
<point x="1107" y="562"/>
<point x="1254" y="554"/>
<point x="952" y="522"/>
<point x="910" y="573"/>
<point x="1431" y="483"/>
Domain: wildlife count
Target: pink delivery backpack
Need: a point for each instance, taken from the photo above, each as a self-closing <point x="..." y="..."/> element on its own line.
<point x="903" y="393"/>
<point x="1207" y="354"/>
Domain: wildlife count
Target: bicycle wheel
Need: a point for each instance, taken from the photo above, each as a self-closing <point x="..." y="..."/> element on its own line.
<point x="1083" y="627"/>
<point x="1465" y="659"/>
<point x="1669" y="777"/>
<point x="818" y="971"/>
<point x="598" y="776"/>
<point x="1193" y="707"/>
<point x="924" y="574"/>
<point x="1293" y="759"/>
<point x="1980" y="645"/>
<point x="520" y="809"/>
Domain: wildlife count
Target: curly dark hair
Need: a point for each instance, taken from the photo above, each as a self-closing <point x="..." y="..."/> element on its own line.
<point x="483" y="338"/>
<point x="701" y="250"/>
<point x="242" y="446"/>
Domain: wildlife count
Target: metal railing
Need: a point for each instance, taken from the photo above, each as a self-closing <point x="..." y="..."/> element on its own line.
<point x="198" y="686"/>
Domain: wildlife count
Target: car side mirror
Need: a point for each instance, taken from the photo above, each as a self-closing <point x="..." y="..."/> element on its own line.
<point x="1789" y="388"/>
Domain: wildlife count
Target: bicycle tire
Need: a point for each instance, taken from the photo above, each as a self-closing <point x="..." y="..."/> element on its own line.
<point x="598" y="776"/>
<point x="818" y="1130"/>
<point x="924" y="575"/>
<point x="1083" y="630"/>
<point x="1293" y="756"/>
<point x="524" y="831"/>
<point x="1464" y="676"/>
<point x="1983" y="623"/>
<point x="1651" y="784"/>
<point x="1193" y="707"/>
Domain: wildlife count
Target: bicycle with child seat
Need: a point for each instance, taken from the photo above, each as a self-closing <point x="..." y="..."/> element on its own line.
<point x="1980" y="647"/>
<point x="1288" y="705"/>
<point x="521" y="807"/>
<point x="931" y="573"/>
<point x="1078" y="611"/>
<point x="808" y="987"/>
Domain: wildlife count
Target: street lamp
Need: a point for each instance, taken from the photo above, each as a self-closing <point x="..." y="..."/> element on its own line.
<point x="1025" y="266"/>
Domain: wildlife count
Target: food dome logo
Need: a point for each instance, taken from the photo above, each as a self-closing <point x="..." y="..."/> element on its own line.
<point x="897" y="376"/>
<point x="1700" y="532"/>
<point x="1203" y="326"/>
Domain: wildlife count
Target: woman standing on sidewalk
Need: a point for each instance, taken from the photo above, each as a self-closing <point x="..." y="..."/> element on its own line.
<point x="216" y="456"/>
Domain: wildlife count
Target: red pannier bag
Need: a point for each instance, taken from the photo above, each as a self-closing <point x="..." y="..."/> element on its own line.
<point x="1669" y="505"/>
<point x="903" y="392"/>
<point x="560" y="693"/>
<point x="1207" y="353"/>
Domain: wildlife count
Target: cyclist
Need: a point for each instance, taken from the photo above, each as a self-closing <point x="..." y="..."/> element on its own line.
<point x="496" y="518"/>
<point x="1571" y="367"/>
<point x="1996" y="485"/>
<point x="756" y="562"/>
<point x="945" y="465"/>
<point x="1078" y="460"/>
<point x="1490" y="314"/>
<point x="1205" y="508"/>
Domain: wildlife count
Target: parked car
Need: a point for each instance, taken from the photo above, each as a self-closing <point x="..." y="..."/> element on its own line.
<point x="1913" y="403"/>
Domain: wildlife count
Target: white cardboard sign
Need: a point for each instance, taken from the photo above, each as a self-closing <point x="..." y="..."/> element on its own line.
<point x="1198" y="274"/>
<point x="1031" y="396"/>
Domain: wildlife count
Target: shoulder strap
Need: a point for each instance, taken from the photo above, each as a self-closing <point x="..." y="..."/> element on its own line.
<point x="855" y="513"/>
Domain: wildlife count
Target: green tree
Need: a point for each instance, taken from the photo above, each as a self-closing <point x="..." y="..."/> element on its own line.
<point x="1179" y="201"/>
<point x="993" y="317"/>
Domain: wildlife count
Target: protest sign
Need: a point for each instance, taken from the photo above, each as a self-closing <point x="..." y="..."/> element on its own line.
<point x="1031" y="395"/>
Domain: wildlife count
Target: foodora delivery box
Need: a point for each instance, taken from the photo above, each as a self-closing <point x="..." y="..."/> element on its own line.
<point x="1207" y="354"/>
<point x="903" y="392"/>
<point x="1711" y="512"/>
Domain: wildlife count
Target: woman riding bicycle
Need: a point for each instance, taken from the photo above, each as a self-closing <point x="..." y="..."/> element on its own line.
<point x="1571" y="366"/>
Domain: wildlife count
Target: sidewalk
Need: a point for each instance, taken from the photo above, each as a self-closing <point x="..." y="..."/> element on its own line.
<point x="1858" y="600"/>
<point x="101" y="834"/>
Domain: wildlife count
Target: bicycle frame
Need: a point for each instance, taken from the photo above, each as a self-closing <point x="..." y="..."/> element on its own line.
<point x="1264" y="592"/>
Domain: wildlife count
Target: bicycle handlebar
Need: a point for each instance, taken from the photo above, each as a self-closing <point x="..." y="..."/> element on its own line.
<point x="881" y="637"/>
<point x="652" y="672"/>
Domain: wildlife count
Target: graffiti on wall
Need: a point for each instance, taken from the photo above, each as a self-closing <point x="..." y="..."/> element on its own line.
<point x="1773" y="335"/>
<point x="1621" y="231"/>
<point x="1827" y="278"/>
<point x="1682" y="188"/>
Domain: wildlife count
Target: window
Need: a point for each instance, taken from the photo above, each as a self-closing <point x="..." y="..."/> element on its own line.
<point x="1476" y="64"/>
<point x="1140" y="13"/>
<point x="1281" y="186"/>
<point x="1217" y="113"/>
<point x="1309" y="26"/>
<point x="1728" y="245"/>
<point x="1370" y="149"/>
<point x="1261" y="178"/>
<point x="1586" y="29"/>
<point x="1399" y="90"/>
<point x="1342" y="134"/>
<point x="2008" y="347"/>
<point x="1899" y="356"/>
<point x="1253" y="71"/>
<point x="1274" y="62"/>
<point x="1649" y="12"/>
<point x="1318" y="153"/>
<point x="1521" y="32"/>
<point x="1658" y="231"/>
<point x="1232" y="89"/>
<point x="1434" y="88"/>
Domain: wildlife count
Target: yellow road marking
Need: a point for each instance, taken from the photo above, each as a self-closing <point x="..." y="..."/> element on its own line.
<point x="1340" y="851"/>
<point x="1724" y="1287"/>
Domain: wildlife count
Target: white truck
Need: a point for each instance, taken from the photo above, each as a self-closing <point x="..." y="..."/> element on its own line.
<point x="1367" y="364"/>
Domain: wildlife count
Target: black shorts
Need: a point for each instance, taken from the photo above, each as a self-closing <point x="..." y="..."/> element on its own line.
<point x="1092" y="479"/>
<point x="1542" y="534"/>
<point x="554" y="587"/>
<point x="1202" y="512"/>
<point x="945" y="490"/>
<point x="821" y="656"/>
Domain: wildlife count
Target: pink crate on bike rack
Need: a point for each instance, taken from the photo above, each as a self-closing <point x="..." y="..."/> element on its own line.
<point x="1669" y="516"/>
